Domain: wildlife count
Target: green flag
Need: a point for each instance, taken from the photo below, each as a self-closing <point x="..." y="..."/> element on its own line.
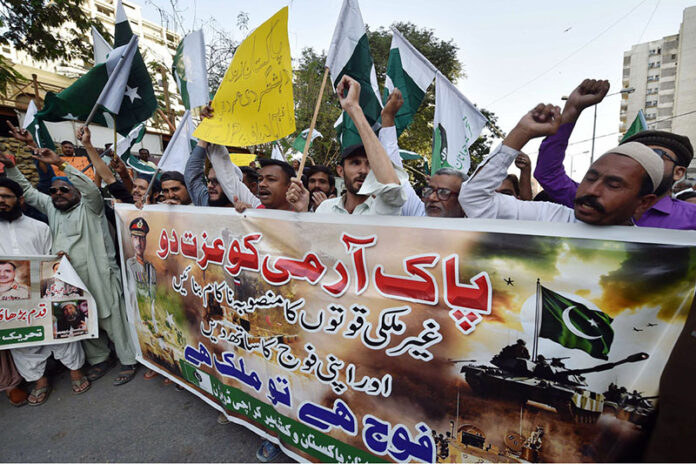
<point x="37" y="128"/>
<point x="410" y="72"/>
<point x="639" y="125"/>
<point x="190" y="71"/>
<point x="76" y="102"/>
<point x="301" y="139"/>
<point x="349" y="53"/>
<point x="574" y="325"/>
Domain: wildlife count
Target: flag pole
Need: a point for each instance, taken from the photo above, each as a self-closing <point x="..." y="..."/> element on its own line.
<point x="535" y="346"/>
<point x="114" y="152"/>
<point x="314" y="121"/>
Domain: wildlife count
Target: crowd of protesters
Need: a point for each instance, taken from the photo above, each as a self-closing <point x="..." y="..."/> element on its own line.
<point x="641" y="182"/>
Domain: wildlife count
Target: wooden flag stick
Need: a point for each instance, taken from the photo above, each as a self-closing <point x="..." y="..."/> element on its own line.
<point x="314" y="121"/>
<point x="172" y="128"/>
<point x="114" y="152"/>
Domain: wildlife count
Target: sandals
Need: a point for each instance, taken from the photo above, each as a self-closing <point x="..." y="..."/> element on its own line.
<point x="150" y="374"/>
<point x="126" y="375"/>
<point x="267" y="451"/>
<point x="99" y="370"/>
<point x="81" y="385"/>
<point x="37" y="392"/>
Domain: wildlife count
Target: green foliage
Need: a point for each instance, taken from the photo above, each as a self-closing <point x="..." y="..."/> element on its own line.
<point x="47" y="30"/>
<point x="8" y="75"/>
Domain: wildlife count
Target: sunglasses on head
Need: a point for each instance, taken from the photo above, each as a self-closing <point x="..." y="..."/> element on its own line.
<point x="62" y="189"/>
<point x="663" y="154"/>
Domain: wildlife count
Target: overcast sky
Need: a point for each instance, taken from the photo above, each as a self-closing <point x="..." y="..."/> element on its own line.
<point x="515" y="53"/>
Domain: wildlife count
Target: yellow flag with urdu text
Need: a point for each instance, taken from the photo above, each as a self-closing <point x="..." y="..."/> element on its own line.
<point x="254" y="103"/>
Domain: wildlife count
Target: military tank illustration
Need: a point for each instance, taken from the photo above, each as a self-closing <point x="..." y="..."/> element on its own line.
<point x="515" y="377"/>
<point x="628" y="406"/>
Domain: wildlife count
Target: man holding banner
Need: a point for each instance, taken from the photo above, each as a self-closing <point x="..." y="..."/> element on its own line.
<point x="23" y="236"/>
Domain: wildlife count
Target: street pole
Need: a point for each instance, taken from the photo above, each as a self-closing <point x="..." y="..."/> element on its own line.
<point x="594" y="132"/>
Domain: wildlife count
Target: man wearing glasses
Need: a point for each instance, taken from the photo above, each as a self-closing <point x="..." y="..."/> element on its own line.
<point x="204" y="191"/>
<point x="675" y="150"/>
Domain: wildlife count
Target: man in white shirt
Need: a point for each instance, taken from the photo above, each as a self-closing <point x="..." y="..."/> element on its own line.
<point x="619" y="184"/>
<point x="22" y="236"/>
<point x="373" y="185"/>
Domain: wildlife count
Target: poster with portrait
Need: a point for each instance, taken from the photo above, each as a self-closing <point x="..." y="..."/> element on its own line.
<point x="43" y="301"/>
<point x="370" y="339"/>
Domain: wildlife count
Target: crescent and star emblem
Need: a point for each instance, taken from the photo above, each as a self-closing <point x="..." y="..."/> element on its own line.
<point x="573" y="329"/>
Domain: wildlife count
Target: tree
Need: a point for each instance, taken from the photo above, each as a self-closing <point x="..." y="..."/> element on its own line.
<point x="418" y="137"/>
<point x="47" y="30"/>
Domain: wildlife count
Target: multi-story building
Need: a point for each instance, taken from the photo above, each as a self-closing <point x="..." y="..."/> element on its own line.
<point x="663" y="74"/>
<point x="157" y="45"/>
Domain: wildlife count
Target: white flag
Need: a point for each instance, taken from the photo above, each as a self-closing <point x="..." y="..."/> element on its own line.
<point x="190" y="70"/>
<point x="457" y="125"/>
<point x="179" y="148"/>
<point x="118" y="66"/>
<point x="276" y="154"/>
<point x="101" y="47"/>
<point x="29" y="115"/>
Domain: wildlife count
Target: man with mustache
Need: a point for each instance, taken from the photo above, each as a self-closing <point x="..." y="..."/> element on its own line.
<point x="75" y="211"/>
<point x="174" y="188"/>
<point x="373" y="185"/>
<point x="675" y="150"/>
<point x="320" y="183"/>
<point x="23" y="236"/>
<point x="619" y="185"/>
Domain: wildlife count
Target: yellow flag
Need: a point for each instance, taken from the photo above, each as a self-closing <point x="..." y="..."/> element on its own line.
<point x="254" y="103"/>
<point x="242" y="159"/>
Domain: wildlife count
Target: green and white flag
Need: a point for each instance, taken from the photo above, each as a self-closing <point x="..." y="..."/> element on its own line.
<point x="124" y="144"/>
<point x="101" y="47"/>
<point x="639" y="125"/>
<point x="190" y="71"/>
<point x="349" y="53"/>
<point x="407" y="155"/>
<point x="141" y="102"/>
<point x="37" y="128"/>
<point x="410" y="72"/>
<point x="179" y="148"/>
<point x="104" y="85"/>
<point x="574" y="325"/>
<point x="301" y="139"/>
<point x="457" y="125"/>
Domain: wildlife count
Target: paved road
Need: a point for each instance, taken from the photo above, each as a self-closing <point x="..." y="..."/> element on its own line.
<point x="142" y="421"/>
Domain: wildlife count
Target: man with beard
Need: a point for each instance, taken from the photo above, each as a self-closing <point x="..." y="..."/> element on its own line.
<point x="23" y="236"/>
<point x="319" y="183"/>
<point x="203" y="192"/>
<point x="174" y="188"/>
<point x="71" y="321"/>
<point x="675" y="150"/>
<point x="619" y="184"/>
<point x="75" y="211"/>
<point x="10" y="289"/>
<point x="373" y="185"/>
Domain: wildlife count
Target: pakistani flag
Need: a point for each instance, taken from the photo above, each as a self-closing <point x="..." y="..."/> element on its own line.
<point x="179" y="148"/>
<point x="407" y="155"/>
<point x="574" y="325"/>
<point x="190" y="70"/>
<point x="456" y="127"/>
<point x="101" y="47"/>
<point x="104" y="85"/>
<point x="639" y="125"/>
<point x="349" y="53"/>
<point x="410" y="72"/>
<point x="37" y="128"/>
<point x="301" y="139"/>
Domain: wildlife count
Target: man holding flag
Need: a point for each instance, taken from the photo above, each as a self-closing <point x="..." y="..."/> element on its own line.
<point x="675" y="150"/>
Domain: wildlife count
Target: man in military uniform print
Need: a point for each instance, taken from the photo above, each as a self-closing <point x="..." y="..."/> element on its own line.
<point x="142" y="273"/>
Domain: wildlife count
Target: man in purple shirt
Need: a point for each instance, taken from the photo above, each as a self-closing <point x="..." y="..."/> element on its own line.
<point x="676" y="152"/>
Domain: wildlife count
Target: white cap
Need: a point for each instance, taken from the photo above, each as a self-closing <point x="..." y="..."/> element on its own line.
<point x="651" y="161"/>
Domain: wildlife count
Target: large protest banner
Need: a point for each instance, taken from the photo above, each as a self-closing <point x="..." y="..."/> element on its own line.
<point x="411" y="339"/>
<point x="43" y="301"/>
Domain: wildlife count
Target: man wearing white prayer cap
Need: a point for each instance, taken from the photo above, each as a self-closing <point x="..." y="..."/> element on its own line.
<point x="618" y="185"/>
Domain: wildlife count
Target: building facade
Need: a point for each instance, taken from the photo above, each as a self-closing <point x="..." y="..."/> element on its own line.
<point x="663" y="72"/>
<point x="157" y="45"/>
